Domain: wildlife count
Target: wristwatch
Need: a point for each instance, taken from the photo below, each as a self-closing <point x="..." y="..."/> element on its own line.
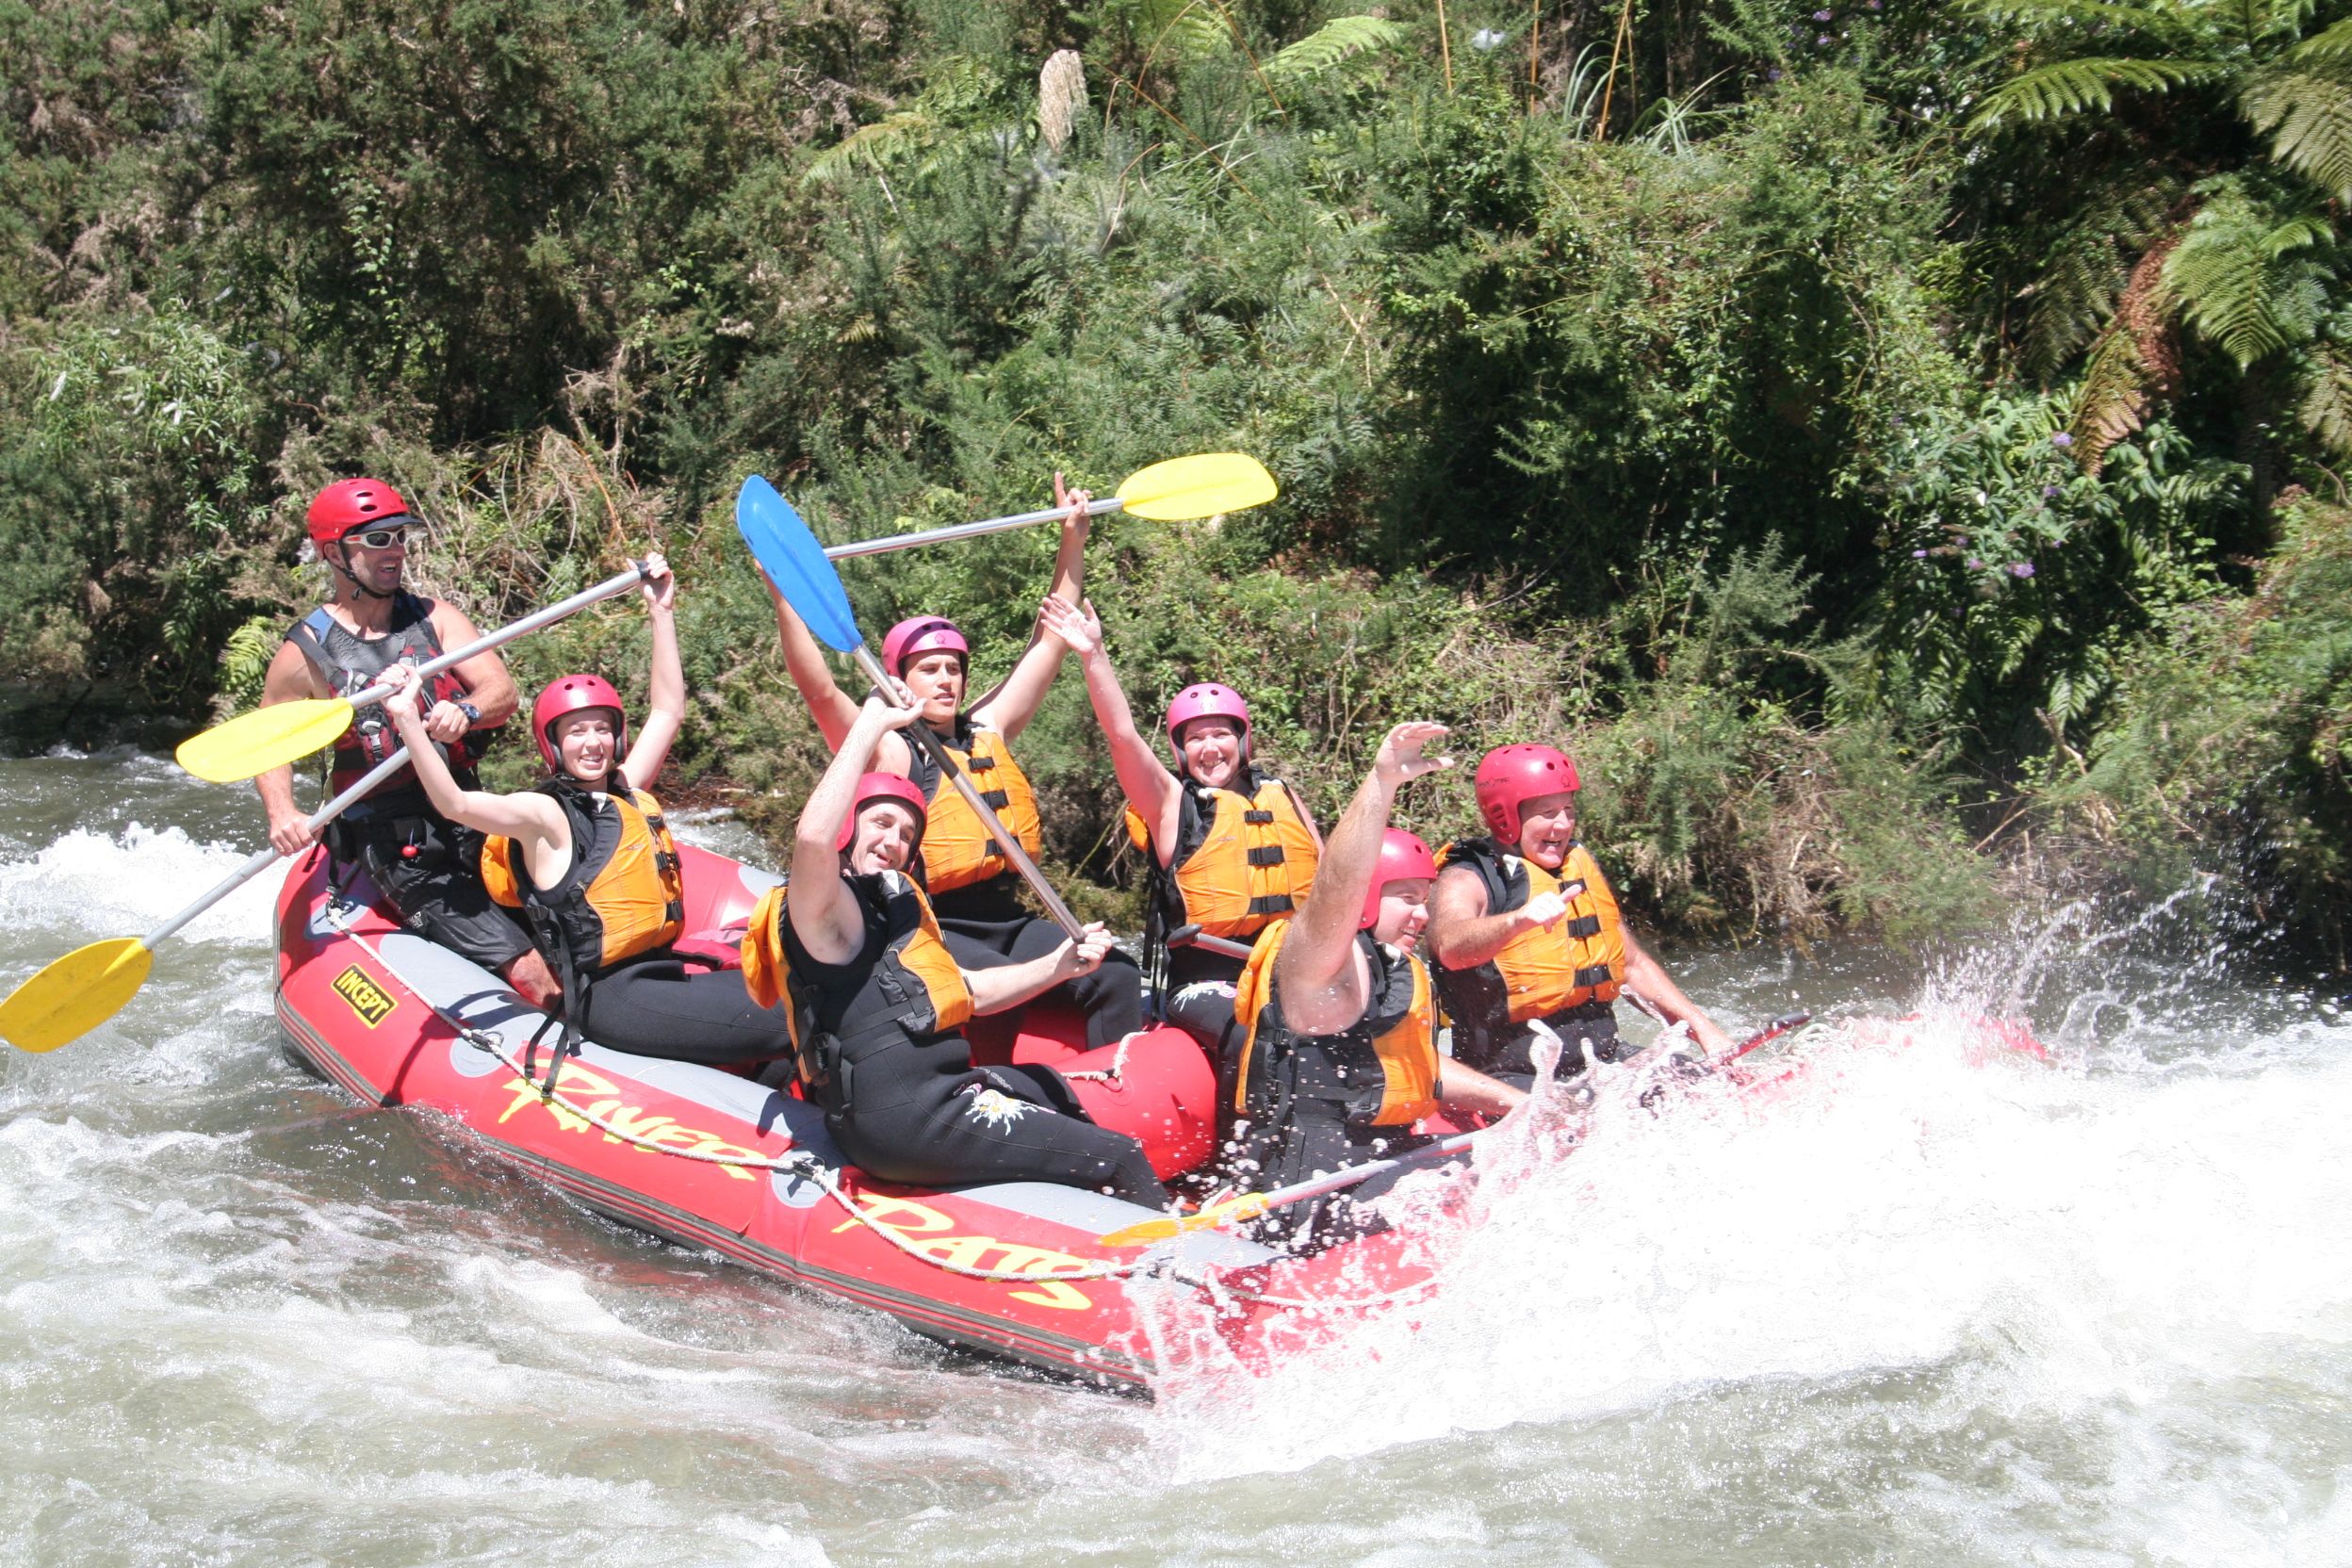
<point x="473" y="714"/>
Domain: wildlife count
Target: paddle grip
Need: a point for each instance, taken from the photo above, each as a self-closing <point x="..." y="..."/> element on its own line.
<point x="889" y="543"/>
<point x="263" y="858"/>
<point x="505" y="634"/>
<point x="1192" y="936"/>
<point x="987" y="813"/>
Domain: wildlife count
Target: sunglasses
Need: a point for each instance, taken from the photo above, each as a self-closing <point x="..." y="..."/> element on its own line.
<point x="379" y="538"/>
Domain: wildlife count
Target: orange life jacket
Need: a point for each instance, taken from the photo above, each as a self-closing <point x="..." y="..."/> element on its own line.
<point x="958" y="851"/>
<point x="1241" y="861"/>
<point x="1381" y="1071"/>
<point x="1542" y="973"/>
<point x="623" y="896"/>
<point x="904" y="984"/>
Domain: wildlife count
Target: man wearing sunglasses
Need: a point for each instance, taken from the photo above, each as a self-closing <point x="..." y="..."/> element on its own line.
<point x="428" y="867"/>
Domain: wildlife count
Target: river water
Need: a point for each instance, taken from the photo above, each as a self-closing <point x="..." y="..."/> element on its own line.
<point x="1919" y="1307"/>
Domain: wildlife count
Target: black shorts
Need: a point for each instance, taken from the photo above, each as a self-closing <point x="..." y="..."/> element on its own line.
<point x="430" y="868"/>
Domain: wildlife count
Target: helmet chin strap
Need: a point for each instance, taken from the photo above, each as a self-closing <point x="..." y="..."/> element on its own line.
<point x="358" y="586"/>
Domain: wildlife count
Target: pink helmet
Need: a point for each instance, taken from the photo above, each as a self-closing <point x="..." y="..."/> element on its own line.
<point x="921" y="634"/>
<point x="1510" y="776"/>
<point x="569" y="694"/>
<point x="349" y="503"/>
<point x="884" y="786"/>
<point x="1403" y="858"/>
<point x="1206" y="701"/>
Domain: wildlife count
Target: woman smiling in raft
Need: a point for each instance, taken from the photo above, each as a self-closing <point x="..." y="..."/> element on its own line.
<point x="877" y="1001"/>
<point x="973" y="886"/>
<point x="588" y="860"/>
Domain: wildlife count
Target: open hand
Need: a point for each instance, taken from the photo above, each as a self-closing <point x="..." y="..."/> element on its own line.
<point x="660" y="585"/>
<point x="1076" y="626"/>
<point x="1400" y="760"/>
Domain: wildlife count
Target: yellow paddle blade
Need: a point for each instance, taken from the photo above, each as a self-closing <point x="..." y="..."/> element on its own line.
<point x="264" y="739"/>
<point x="1248" y="1206"/>
<point x="74" y="995"/>
<point x="1183" y="489"/>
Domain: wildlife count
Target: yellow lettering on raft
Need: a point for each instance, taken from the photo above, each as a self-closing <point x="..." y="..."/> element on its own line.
<point x="576" y="1081"/>
<point x="907" y="1218"/>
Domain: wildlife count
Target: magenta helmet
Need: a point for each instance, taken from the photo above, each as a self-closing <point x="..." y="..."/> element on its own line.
<point x="1206" y="701"/>
<point x="568" y="695"/>
<point x="1403" y="858"/>
<point x="921" y="634"/>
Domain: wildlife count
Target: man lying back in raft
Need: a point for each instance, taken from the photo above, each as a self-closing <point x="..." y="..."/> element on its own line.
<point x="877" y="1002"/>
<point x="425" y="865"/>
<point x="1524" y="927"/>
<point x="974" y="889"/>
<point x="588" y="860"/>
<point x="1342" y="1057"/>
<point x="1230" y="849"/>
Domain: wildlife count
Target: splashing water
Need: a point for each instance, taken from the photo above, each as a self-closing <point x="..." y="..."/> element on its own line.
<point x="1906" y="1297"/>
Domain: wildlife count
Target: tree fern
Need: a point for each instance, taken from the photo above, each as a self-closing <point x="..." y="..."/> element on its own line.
<point x="2326" y="404"/>
<point x="1332" y="44"/>
<point x="2244" y="278"/>
<point x="2307" y="112"/>
<point x="2065" y="87"/>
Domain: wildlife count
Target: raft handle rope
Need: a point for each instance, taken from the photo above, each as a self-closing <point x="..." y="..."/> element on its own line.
<point x="795" y="1163"/>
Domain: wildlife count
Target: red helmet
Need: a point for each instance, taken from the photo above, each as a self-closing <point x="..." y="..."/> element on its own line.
<point x="1510" y="776"/>
<point x="885" y="786"/>
<point x="350" y="503"/>
<point x="1207" y="700"/>
<point x="568" y="695"/>
<point x="1403" y="858"/>
<point x="913" y="638"/>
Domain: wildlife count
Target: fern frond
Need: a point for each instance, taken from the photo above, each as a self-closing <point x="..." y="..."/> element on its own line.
<point x="2100" y="16"/>
<point x="2243" y="281"/>
<point x="2113" y="398"/>
<point x="2308" y="116"/>
<point x="2325" y="410"/>
<point x="2330" y="44"/>
<point x="1184" y="29"/>
<point x="874" y="145"/>
<point x="1332" y="44"/>
<point x="2065" y="87"/>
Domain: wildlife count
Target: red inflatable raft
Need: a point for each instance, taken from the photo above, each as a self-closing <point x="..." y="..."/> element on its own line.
<point x="714" y="1160"/>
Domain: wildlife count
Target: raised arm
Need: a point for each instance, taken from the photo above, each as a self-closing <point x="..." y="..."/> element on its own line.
<point x="804" y="662"/>
<point x="1013" y="703"/>
<point x="531" y="819"/>
<point x="1149" y="787"/>
<point x="1322" y="985"/>
<point x="665" y="707"/>
<point x="823" y="909"/>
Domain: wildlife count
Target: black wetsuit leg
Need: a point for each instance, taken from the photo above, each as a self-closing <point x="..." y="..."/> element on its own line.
<point x="663" y="1007"/>
<point x="913" y="1114"/>
<point x="430" y="871"/>
<point x="1112" y="996"/>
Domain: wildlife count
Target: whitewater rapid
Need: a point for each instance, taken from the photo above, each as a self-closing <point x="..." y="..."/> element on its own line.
<point x="1924" y="1300"/>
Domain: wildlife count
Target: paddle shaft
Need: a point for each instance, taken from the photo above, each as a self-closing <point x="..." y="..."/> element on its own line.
<point x="505" y="634"/>
<point x="963" y="531"/>
<point x="266" y="857"/>
<point x="987" y="813"/>
<point x="1192" y="936"/>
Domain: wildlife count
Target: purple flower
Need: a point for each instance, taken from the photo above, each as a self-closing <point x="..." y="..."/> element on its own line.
<point x="1823" y="38"/>
<point x="1919" y="555"/>
<point x="1974" y="565"/>
<point x="1872" y="4"/>
<point x="2048" y="491"/>
<point x="2062" y="439"/>
<point x="2020" y="568"/>
<point x="1772" y="75"/>
<point x="1821" y="16"/>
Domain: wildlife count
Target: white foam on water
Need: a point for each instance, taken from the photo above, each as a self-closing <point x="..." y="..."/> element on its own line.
<point x="2077" y="1242"/>
<point x="124" y="884"/>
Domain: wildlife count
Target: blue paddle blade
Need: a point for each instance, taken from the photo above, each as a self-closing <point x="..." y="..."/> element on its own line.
<point x="796" y="564"/>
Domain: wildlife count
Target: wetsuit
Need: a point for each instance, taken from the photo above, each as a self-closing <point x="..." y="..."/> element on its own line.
<point x="606" y="927"/>
<point x="1310" y="1104"/>
<point x="880" y="1050"/>
<point x="427" y="867"/>
<point x="976" y="893"/>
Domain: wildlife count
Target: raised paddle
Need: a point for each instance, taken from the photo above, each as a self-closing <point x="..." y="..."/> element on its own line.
<point x="796" y="564"/>
<point x="285" y="732"/>
<point x="67" y="999"/>
<point x="1177" y="491"/>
